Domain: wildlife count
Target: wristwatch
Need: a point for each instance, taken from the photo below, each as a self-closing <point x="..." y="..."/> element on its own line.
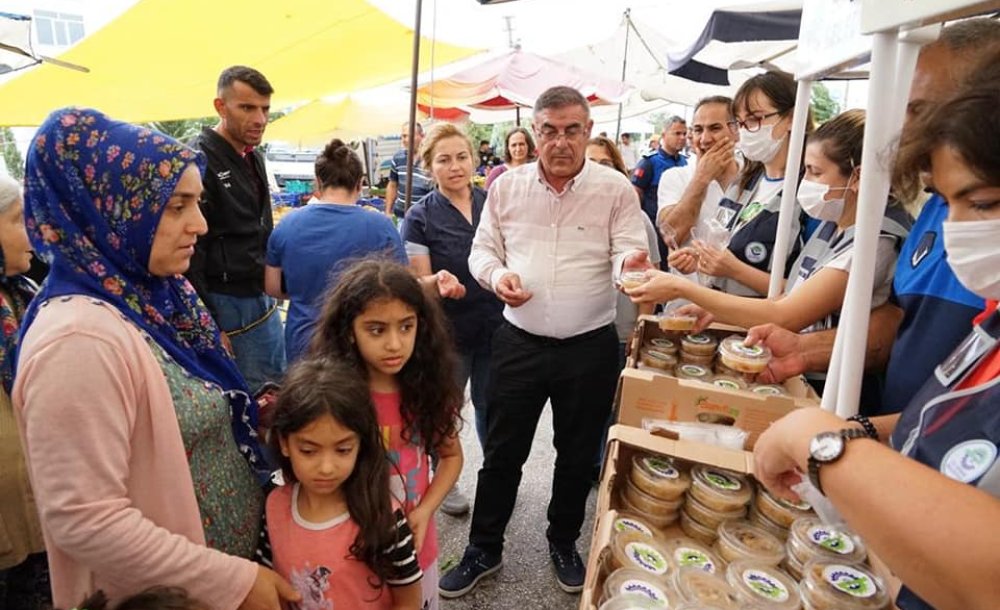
<point x="827" y="448"/>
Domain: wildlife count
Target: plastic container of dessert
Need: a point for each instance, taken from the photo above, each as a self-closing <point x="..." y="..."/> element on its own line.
<point x="740" y="540"/>
<point x="756" y="583"/>
<point x="629" y="522"/>
<point x="687" y="553"/>
<point x="674" y="321"/>
<point x="718" y="489"/>
<point x="658" y="520"/>
<point x="697" y="372"/>
<point x="658" y="359"/>
<point x="769" y="389"/>
<point x="629" y="602"/>
<point x="756" y="518"/>
<point x="632" y="550"/>
<point x="781" y="511"/>
<point x="632" y="279"/>
<point x="743" y="358"/>
<point x="651" y="505"/>
<point x="689" y="358"/>
<point x="711" y="518"/>
<point x="809" y="538"/>
<point x="704" y="589"/>
<point x="633" y="581"/>
<point x="833" y="585"/>
<point x="699" y="344"/>
<point x="663" y="344"/>
<point x="697" y="531"/>
<point x="659" y="476"/>
<point x="728" y="382"/>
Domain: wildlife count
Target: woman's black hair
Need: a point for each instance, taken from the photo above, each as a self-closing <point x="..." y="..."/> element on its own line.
<point x="430" y="397"/>
<point x="312" y="388"/>
<point x="780" y="89"/>
<point x="338" y="167"/>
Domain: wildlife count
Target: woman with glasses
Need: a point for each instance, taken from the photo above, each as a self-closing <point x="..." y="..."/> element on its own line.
<point x="763" y="109"/>
<point x="816" y="286"/>
<point x="519" y="148"/>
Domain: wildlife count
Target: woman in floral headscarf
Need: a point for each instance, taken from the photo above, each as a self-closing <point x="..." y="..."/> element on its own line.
<point x="133" y="416"/>
<point x="24" y="580"/>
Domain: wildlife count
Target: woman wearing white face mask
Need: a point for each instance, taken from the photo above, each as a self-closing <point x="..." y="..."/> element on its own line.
<point x="817" y="283"/>
<point x="763" y="109"/>
<point x="931" y="510"/>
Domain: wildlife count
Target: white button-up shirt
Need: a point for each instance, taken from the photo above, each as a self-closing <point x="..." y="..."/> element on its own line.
<point x="567" y="247"/>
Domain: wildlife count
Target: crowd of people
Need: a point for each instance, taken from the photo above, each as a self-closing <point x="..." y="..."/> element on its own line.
<point x="168" y="442"/>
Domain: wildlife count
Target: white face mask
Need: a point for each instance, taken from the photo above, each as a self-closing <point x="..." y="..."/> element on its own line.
<point x="973" y="255"/>
<point x="759" y="145"/>
<point x="812" y="199"/>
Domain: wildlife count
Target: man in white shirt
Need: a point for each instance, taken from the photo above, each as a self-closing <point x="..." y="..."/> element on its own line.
<point x="629" y="154"/>
<point x="553" y="237"/>
<point x="689" y="196"/>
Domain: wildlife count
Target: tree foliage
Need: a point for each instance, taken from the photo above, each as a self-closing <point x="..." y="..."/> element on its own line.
<point x="11" y="156"/>
<point x="824" y="107"/>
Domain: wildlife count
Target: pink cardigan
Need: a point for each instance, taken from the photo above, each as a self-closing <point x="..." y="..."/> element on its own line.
<point x="107" y="463"/>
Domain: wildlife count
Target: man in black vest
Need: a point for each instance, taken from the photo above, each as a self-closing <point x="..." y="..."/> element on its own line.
<point x="228" y="266"/>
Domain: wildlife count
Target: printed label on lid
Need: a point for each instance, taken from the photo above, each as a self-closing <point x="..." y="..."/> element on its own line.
<point x="700" y="339"/>
<point x="646" y="557"/>
<point x="722" y="481"/>
<point x="831" y="539"/>
<point x="752" y="351"/>
<point x="687" y="557"/>
<point x="645" y="589"/>
<point x="693" y="370"/>
<point x="729" y="384"/>
<point x="968" y="461"/>
<point x="850" y="581"/>
<point x="766" y="586"/>
<point x="624" y="524"/>
<point x="661" y="467"/>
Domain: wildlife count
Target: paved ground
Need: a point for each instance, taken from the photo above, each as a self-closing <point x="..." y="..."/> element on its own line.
<point x="526" y="580"/>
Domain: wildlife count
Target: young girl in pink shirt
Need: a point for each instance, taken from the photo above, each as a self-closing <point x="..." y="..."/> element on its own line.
<point x="331" y="529"/>
<point x="380" y="320"/>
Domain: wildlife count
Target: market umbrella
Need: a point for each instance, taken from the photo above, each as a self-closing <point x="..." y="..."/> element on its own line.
<point x="161" y="58"/>
<point x="16" y="51"/>
<point x="348" y="117"/>
<point x="514" y="80"/>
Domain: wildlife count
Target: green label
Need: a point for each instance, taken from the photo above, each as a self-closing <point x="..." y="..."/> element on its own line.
<point x="831" y="539"/>
<point x="646" y="557"/>
<point x="693" y="370"/>
<point x="687" y="557"/>
<point x="850" y="581"/>
<point x="661" y="467"/>
<point x="624" y="524"/>
<point x="699" y="339"/>
<point x="765" y="585"/>
<point x="722" y="481"/>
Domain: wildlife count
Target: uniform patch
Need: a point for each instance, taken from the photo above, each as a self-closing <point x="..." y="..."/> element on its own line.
<point x="923" y="248"/>
<point x="639" y="172"/>
<point x="755" y="252"/>
<point x="966" y="462"/>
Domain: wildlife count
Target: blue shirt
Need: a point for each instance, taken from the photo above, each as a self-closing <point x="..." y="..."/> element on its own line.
<point x="646" y="176"/>
<point x="422" y="183"/>
<point x="312" y="245"/>
<point x="937" y="309"/>
<point x="436" y="228"/>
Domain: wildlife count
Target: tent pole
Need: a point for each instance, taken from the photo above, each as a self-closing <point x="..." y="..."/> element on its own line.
<point x="628" y="29"/>
<point x="413" y="108"/>
<point x="517" y="114"/>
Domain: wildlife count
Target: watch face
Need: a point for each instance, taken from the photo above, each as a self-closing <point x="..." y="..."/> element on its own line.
<point x="826" y="447"/>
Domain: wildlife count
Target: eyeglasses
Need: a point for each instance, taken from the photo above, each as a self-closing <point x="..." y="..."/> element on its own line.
<point x="753" y="123"/>
<point x="572" y="132"/>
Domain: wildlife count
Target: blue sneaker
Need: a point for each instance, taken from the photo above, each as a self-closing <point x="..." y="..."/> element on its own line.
<point x="568" y="566"/>
<point x="463" y="578"/>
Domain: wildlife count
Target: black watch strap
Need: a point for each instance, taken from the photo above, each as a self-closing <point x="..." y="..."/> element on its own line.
<point x="867" y="424"/>
<point x="848" y="434"/>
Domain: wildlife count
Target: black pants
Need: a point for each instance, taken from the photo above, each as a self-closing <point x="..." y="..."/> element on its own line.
<point x="578" y="375"/>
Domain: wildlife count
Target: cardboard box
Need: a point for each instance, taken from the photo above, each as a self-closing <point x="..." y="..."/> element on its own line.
<point x="644" y="393"/>
<point x="623" y="443"/>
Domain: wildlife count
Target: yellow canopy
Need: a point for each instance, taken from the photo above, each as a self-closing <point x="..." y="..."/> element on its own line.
<point x="160" y="60"/>
<point x="347" y="117"/>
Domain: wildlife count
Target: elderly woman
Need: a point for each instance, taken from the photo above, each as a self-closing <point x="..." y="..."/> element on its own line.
<point x="24" y="580"/>
<point x="136" y="423"/>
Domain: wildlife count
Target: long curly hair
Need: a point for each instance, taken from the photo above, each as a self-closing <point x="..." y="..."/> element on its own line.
<point x="430" y="396"/>
<point x="314" y="387"/>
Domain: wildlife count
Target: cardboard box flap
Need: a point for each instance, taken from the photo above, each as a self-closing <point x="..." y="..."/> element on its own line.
<point x="730" y="459"/>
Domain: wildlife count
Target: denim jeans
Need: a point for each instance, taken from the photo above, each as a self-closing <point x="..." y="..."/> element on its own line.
<point x="474" y="364"/>
<point x="260" y="352"/>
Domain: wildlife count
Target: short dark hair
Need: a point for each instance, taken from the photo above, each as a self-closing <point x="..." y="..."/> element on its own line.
<point x="486" y="142"/>
<point x="970" y="34"/>
<point x="244" y="74"/>
<point x="561" y="97"/>
<point x="671" y="120"/>
<point x="338" y="166"/>
<point x="717" y="99"/>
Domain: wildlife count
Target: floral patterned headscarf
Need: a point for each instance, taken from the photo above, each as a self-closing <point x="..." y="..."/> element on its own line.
<point x="95" y="190"/>
<point x="18" y="292"/>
